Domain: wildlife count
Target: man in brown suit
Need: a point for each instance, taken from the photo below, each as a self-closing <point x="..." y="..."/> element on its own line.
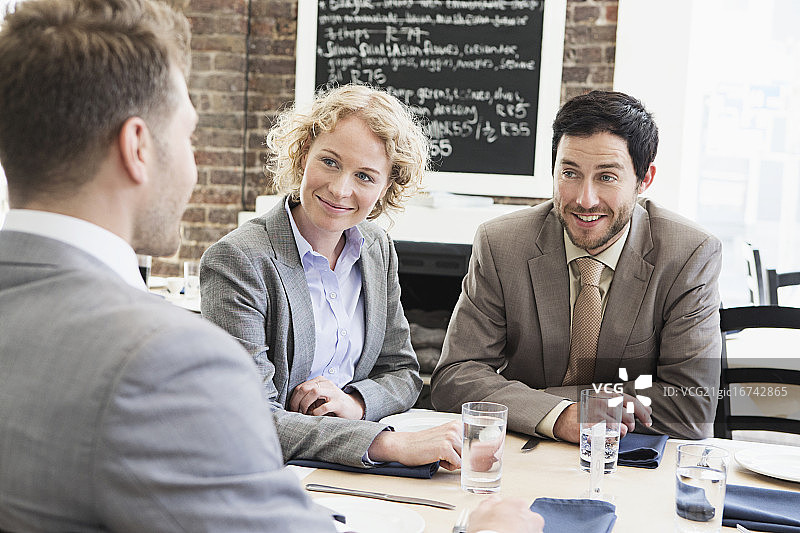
<point x="509" y="339"/>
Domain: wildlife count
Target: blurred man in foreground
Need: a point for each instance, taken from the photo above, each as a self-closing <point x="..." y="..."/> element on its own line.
<point x="118" y="411"/>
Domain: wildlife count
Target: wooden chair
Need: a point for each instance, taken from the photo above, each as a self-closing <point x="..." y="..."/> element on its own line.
<point x="776" y="279"/>
<point x="755" y="275"/>
<point x="742" y="318"/>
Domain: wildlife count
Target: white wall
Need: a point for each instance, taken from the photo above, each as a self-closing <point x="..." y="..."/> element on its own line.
<point x="651" y="64"/>
<point x="723" y="80"/>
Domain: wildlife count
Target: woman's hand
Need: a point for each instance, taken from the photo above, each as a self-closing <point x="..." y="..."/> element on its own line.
<point x="320" y="397"/>
<point x="413" y="448"/>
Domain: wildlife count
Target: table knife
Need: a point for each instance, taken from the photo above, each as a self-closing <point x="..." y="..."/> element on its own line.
<point x="531" y="444"/>
<point x="378" y="496"/>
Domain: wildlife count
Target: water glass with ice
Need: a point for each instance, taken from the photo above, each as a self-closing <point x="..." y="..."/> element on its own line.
<point x="700" y="477"/>
<point x="482" y="451"/>
<point x="600" y="413"/>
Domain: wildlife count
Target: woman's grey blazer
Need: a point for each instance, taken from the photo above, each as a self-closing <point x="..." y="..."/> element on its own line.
<point x="253" y="285"/>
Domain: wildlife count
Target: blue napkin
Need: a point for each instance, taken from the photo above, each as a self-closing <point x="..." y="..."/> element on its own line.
<point x="762" y="509"/>
<point x="384" y="469"/>
<point x="586" y="516"/>
<point x="756" y="509"/>
<point x="644" y="451"/>
<point x="691" y="503"/>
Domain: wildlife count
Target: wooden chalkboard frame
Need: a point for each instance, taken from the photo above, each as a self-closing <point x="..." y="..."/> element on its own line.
<point x="539" y="185"/>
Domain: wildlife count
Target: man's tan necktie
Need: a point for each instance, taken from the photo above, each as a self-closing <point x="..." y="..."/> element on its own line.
<point x="586" y="318"/>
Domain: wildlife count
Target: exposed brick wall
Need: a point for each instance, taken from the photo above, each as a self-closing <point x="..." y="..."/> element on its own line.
<point x="589" y="46"/>
<point x="243" y="57"/>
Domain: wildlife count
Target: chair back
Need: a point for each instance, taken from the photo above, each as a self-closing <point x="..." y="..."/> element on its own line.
<point x="755" y="275"/>
<point x="750" y="371"/>
<point x="776" y="280"/>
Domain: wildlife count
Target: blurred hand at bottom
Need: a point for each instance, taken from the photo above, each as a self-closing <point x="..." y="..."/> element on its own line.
<point x="505" y="516"/>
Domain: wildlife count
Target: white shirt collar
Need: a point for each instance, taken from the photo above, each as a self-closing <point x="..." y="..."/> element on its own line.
<point x="609" y="256"/>
<point x="109" y="248"/>
<point x="354" y="240"/>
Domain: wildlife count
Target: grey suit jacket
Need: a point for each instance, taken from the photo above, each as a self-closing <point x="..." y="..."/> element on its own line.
<point x="253" y="285"/>
<point x="508" y="339"/>
<point x="120" y="412"/>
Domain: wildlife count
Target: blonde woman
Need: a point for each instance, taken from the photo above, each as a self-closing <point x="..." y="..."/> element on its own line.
<point x="311" y="288"/>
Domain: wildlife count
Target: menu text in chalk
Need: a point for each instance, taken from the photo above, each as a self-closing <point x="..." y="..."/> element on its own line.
<point x="469" y="68"/>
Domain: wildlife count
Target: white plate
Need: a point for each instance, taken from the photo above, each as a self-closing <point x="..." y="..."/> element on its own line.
<point x="374" y="516"/>
<point x="192" y="304"/>
<point x="419" y="419"/>
<point x="777" y="464"/>
<point x="156" y="282"/>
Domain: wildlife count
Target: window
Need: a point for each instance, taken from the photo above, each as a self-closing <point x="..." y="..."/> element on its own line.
<point x="723" y="98"/>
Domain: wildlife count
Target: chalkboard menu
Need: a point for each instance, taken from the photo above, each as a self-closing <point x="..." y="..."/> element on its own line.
<point x="471" y="68"/>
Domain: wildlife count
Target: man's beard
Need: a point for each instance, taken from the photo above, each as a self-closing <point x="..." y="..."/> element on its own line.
<point x="617" y="225"/>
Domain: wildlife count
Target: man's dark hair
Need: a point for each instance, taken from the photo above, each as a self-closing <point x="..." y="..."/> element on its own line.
<point x="611" y="112"/>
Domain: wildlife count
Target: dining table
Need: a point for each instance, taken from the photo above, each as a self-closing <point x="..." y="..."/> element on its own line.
<point x="644" y="498"/>
<point x="160" y="286"/>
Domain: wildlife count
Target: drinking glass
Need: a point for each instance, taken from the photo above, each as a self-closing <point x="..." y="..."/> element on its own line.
<point x="145" y="264"/>
<point x="700" y="476"/>
<point x="482" y="451"/>
<point x="191" y="279"/>
<point x="601" y="414"/>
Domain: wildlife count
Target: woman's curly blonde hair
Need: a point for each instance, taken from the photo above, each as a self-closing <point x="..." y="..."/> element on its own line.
<point x="295" y="130"/>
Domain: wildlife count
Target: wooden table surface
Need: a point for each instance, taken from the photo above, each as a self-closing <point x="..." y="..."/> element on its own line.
<point x="642" y="496"/>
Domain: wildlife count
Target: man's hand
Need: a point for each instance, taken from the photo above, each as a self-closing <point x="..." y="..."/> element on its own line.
<point x="568" y="428"/>
<point x="641" y="412"/>
<point x="483" y="455"/>
<point x="414" y="448"/>
<point x="320" y="396"/>
<point x="505" y="516"/>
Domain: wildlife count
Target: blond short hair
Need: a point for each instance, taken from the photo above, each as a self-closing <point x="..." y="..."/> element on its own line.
<point x="295" y="130"/>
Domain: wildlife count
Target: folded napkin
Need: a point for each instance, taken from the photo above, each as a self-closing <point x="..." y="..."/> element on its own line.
<point x="586" y="516"/>
<point x="691" y="503"/>
<point x="644" y="451"/>
<point x="762" y="509"/>
<point x="383" y="469"/>
<point x="756" y="509"/>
